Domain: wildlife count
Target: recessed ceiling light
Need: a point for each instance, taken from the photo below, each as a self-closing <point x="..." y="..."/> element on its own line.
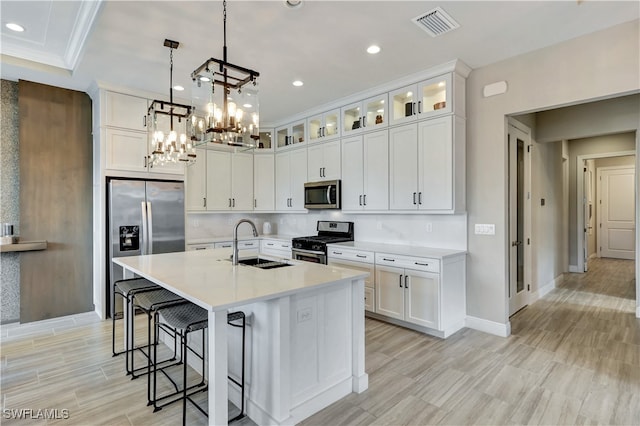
<point x="298" y="83"/>
<point x="15" y="27"/>
<point x="205" y="79"/>
<point x="247" y="105"/>
<point x="178" y="88"/>
<point x="293" y="4"/>
<point x="373" y="49"/>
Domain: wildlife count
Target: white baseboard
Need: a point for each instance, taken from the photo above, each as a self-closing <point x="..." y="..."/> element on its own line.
<point x="491" y="327"/>
<point x="545" y="289"/>
<point x="573" y="268"/>
<point x="638" y="312"/>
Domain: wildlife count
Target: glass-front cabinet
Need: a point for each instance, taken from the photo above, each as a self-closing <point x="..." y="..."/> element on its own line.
<point x="265" y="140"/>
<point x="324" y="126"/>
<point x="428" y="98"/>
<point x="369" y="114"/>
<point x="291" y="134"/>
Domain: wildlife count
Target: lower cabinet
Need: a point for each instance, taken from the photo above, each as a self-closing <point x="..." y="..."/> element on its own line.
<point x="408" y="295"/>
<point x="361" y="261"/>
<point x="277" y="248"/>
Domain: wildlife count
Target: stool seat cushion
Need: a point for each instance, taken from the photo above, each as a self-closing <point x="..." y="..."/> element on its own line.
<point x="127" y="286"/>
<point x="152" y="299"/>
<point x="187" y="316"/>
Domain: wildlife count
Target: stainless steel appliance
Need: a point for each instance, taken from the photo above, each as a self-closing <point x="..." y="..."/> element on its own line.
<point x="322" y="195"/>
<point x="144" y="217"/>
<point x="314" y="247"/>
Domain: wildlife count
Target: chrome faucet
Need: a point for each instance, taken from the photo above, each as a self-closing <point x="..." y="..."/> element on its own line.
<point x="234" y="256"/>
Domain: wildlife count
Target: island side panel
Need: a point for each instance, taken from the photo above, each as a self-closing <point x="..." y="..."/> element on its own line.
<point x="360" y="378"/>
<point x="217" y="373"/>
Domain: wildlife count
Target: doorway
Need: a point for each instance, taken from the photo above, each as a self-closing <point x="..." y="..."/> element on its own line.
<point x="616" y="212"/>
<point x="519" y="150"/>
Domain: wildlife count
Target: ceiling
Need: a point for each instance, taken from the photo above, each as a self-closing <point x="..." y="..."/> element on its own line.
<point x="74" y="44"/>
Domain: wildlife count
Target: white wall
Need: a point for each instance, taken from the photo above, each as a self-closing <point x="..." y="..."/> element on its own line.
<point x="595" y="66"/>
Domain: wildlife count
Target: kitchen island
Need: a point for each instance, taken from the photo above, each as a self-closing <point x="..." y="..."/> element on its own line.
<point x="306" y="338"/>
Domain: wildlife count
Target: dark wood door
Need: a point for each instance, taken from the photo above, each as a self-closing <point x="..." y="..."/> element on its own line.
<point x="56" y="158"/>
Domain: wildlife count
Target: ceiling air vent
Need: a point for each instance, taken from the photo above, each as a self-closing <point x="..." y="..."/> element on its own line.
<point x="436" y="22"/>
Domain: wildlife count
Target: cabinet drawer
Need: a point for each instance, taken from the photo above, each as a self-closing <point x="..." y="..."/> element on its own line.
<point x="224" y="244"/>
<point x="356" y="256"/>
<point x="191" y="247"/>
<point x="274" y="245"/>
<point x="408" y="262"/>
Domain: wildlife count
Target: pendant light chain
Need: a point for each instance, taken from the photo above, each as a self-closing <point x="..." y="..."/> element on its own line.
<point x="224" y="30"/>
<point x="171" y="85"/>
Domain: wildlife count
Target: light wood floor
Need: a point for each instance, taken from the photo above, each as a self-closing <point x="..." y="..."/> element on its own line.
<point x="573" y="358"/>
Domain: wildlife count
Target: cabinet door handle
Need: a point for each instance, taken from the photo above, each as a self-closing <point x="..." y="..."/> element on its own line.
<point x="414" y="109"/>
<point x="388" y="260"/>
<point x="419" y="197"/>
<point x="406" y="281"/>
<point x="364" y="199"/>
<point x="419" y="107"/>
<point x="230" y="202"/>
<point x="270" y="244"/>
<point x="255" y="203"/>
<point x="364" y="121"/>
<point x="233" y="202"/>
<point x="145" y="161"/>
<point x="421" y="264"/>
<point x="204" y="202"/>
<point x="144" y="121"/>
<point x="400" y="281"/>
<point x="362" y="256"/>
<point x="337" y="252"/>
<point x="414" y="198"/>
<point x="360" y="199"/>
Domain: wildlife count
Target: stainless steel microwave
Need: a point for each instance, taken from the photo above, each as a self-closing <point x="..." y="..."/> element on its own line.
<point x="322" y="195"/>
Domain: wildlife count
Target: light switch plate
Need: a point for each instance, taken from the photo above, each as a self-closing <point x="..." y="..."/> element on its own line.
<point x="485" y="229"/>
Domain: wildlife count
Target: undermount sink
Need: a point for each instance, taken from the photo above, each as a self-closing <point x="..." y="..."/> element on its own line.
<point x="261" y="263"/>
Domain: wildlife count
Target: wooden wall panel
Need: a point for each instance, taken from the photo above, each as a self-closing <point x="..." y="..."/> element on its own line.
<point x="56" y="204"/>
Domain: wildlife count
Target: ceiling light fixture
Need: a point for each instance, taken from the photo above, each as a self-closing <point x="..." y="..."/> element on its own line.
<point x="169" y="148"/>
<point x="15" y="27"/>
<point x="373" y="49"/>
<point x="298" y="83"/>
<point x="178" y="88"/>
<point x="219" y="88"/>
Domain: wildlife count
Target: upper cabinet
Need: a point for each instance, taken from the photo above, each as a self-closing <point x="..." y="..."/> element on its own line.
<point x="291" y="134"/>
<point x="324" y="126"/>
<point x="127" y="145"/>
<point x="368" y="114"/>
<point x="229" y="194"/>
<point x="264" y="182"/>
<point x="265" y="141"/>
<point x="291" y="174"/>
<point x="324" y="161"/>
<point x="426" y="99"/>
<point x="126" y="111"/>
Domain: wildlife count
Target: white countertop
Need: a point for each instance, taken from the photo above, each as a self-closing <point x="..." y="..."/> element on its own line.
<point x="399" y="249"/>
<point x="212" y="240"/>
<point x="207" y="277"/>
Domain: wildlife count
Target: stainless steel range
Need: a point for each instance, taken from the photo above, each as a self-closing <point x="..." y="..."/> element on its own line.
<point x="314" y="247"/>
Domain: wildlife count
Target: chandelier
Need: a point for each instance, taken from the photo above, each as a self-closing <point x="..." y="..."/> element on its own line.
<point x="224" y="101"/>
<point x="168" y="125"/>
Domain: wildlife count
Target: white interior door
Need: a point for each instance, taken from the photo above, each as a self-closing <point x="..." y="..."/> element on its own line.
<point x="617" y="213"/>
<point x="518" y="226"/>
<point x="585" y="215"/>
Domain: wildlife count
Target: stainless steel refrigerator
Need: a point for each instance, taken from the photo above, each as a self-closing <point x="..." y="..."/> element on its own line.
<point x="144" y="217"/>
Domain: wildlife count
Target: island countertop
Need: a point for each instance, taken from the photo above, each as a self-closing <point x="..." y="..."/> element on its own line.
<point x="207" y="277"/>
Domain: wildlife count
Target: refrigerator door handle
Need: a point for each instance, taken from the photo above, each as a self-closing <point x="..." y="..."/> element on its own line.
<point x="143" y="246"/>
<point x="150" y="228"/>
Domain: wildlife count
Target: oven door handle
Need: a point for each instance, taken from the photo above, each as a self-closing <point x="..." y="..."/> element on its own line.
<point x="308" y="251"/>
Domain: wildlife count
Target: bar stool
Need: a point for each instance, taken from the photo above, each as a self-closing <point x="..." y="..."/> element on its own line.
<point x="149" y="302"/>
<point x="179" y="321"/>
<point x="127" y="288"/>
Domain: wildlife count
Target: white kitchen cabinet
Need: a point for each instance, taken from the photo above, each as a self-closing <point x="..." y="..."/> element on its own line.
<point x="265" y="141"/>
<point x="291" y="134"/>
<point x="407" y="294"/>
<point x="324" y="126"/>
<point x="426" y="99"/>
<point x="196" y="184"/>
<point x="291" y="174"/>
<point x="426" y="165"/>
<point x="126" y="111"/>
<point x="206" y="246"/>
<point x="229" y="181"/>
<point x="264" y="182"/>
<point x="324" y="161"/>
<point x="275" y="247"/>
<point x="361" y="261"/>
<point x="365" y="172"/>
<point x="369" y="114"/>
<point x="127" y="141"/>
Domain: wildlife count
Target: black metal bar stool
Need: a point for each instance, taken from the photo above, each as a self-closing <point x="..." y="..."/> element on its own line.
<point x="149" y="302"/>
<point x="179" y="321"/>
<point x="127" y="289"/>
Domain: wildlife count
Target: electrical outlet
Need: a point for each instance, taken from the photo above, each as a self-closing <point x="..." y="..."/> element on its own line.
<point x="429" y="227"/>
<point x="304" y="314"/>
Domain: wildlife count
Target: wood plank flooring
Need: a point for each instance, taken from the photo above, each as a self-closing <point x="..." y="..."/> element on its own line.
<point x="573" y="358"/>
